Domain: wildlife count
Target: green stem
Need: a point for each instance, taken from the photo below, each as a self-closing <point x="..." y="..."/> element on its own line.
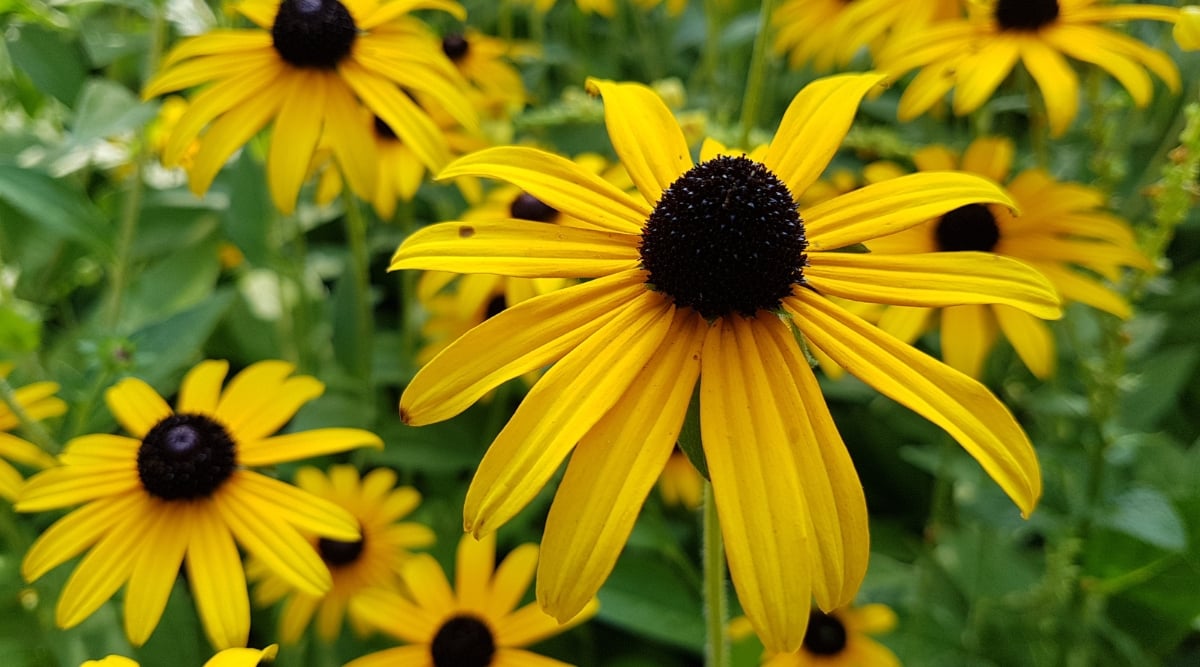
<point x="360" y="266"/>
<point x="756" y="78"/>
<point x="706" y="75"/>
<point x="716" y="649"/>
<point x="126" y="232"/>
<point x="32" y="428"/>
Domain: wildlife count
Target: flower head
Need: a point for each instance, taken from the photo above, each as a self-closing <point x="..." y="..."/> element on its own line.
<point x="310" y="65"/>
<point x="38" y="402"/>
<point x="1063" y="232"/>
<point x="974" y="56"/>
<point x="230" y="657"/>
<point x="841" y="638"/>
<point x="180" y="491"/>
<point x="474" y="624"/>
<point x="827" y="33"/>
<point x="706" y="275"/>
<point x="372" y="561"/>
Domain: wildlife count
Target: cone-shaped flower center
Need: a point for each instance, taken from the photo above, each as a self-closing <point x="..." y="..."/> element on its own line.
<point x="455" y="46"/>
<point x="337" y="553"/>
<point x="826" y="635"/>
<point x="463" y="641"/>
<point x="383" y="130"/>
<point x="494" y="307"/>
<point x="970" y="227"/>
<point x="185" y="456"/>
<point x="313" y="33"/>
<point x="1025" y="14"/>
<point x="725" y="237"/>
<point x="528" y="207"/>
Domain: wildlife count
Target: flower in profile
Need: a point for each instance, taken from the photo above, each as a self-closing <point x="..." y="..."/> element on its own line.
<point x="841" y="638"/>
<point x="1062" y="229"/>
<point x="973" y="56"/>
<point x="706" y="275"/>
<point x="372" y="561"/>
<point x="474" y="624"/>
<point x="847" y="27"/>
<point x="310" y="65"/>
<point x="230" y="657"/>
<point x="38" y="402"/>
<point x="180" y="491"/>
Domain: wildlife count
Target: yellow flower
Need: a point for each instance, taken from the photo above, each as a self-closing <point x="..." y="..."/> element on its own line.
<point x="840" y="639"/>
<point x="1062" y="227"/>
<point x="974" y="56"/>
<point x="482" y="60"/>
<point x="38" y="402"/>
<point x="475" y="623"/>
<point x="680" y="482"/>
<point x="230" y="657"/>
<point x="701" y="277"/>
<point x="180" y="491"/>
<point x="310" y="66"/>
<point x="1187" y="29"/>
<point x="372" y="561"/>
<point x="828" y="33"/>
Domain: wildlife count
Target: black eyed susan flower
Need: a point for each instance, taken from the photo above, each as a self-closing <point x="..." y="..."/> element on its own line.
<point x="180" y="491"/>
<point x="372" y="561"/>
<point x="827" y="33"/>
<point x="841" y="638"/>
<point x="706" y="275"/>
<point x="1062" y="229"/>
<point x="974" y="56"/>
<point x="230" y="657"/>
<point x="474" y="624"/>
<point x="309" y="66"/>
<point x="38" y="402"/>
<point x="483" y="61"/>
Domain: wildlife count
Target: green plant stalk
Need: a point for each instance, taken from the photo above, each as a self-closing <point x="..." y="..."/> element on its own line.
<point x="706" y="75"/>
<point x="360" y="266"/>
<point x="755" y="80"/>
<point x="716" y="649"/>
<point x="32" y="428"/>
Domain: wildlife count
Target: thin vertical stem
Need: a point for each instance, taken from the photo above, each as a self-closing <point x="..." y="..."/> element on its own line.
<point x="752" y="100"/>
<point x="716" y="649"/>
<point x="360" y="266"/>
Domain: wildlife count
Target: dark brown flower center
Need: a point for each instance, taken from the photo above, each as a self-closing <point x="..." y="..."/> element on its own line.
<point x="495" y="306"/>
<point x="337" y="553"/>
<point x="463" y="641"/>
<point x="725" y="238"/>
<point x="1025" y="14"/>
<point x="455" y="46"/>
<point x="185" y="456"/>
<point x="383" y="130"/>
<point x="970" y="227"/>
<point x="313" y="33"/>
<point x="528" y="207"/>
<point x="826" y="635"/>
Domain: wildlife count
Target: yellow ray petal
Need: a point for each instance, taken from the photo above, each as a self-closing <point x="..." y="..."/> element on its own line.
<point x="227" y="134"/>
<point x="294" y="137"/>
<point x="429" y="589"/>
<point x="201" y="388"/>
<point x="1030" y="338"/>
<point x="757" y="481"/>
<point x="905" y="322"/>
<point x="386" y="12"/>
<point x="1056" y="79"/>
<point x="103" y="450"/>
<point x="22" y="451"/>
<point x="348" y="129"/>
<point x="264" y="389"/>
<point x="284" y="502"/>
<point x="926" y="89"/>
<point x="216" y="42"/>
<point x="960" y="405"/>
<point x="136" y="406"/>
<point x="103" y="570"/>
<point x="474" y="563"/>
<point x="511" y="580"/>
<point x="10" y="481"/>
<point x="75" y="532"/>
<point x="613" y="469"/>
<point x="644" y="134"/>
<point x="156" y="566"/>
<point x="1093" y="45"/>
<point x="520" y="339"/>
<point x="979" y="73"/>
<point x="240" y="89"/>
<point x="517" y="248"/>
<point x="305" y="444"/>
<point x="217" y="580"/>
<point x="894" y="205"/>
<point x="1074" y="286"/>
<point x="933" y="279"/>
<point x="71" y="485"/>
<point x="529" y="625"/>
<point x="385" y="99"/>
<point x="813" y="127"/>
<point x="560" y="409"/>
<point x="968" y="334"/>
<point x="990" y="157"/>
<point x="559" y="182"/>
<point x="387" y="611"/>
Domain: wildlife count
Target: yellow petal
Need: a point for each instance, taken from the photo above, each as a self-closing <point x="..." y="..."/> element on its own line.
<point x="386" y="12"/>
<point x="230" y="132"/>
<point x="813" y="127"/>
<point x="304" y="445"/>
<point x="953" y="401"/>
<point x="22" y="451"/>
<point x="511" y="580"/>
<point x="517" y="248"/>
<point x="103" y="570"/>
<point x="1095" y="45"/>
<point x="934" y="279"/>
<point x="261" y="398"/>
<point x="297" y="507"/>
<point x="77" y="531"/>
<point x="567" y="401"/>
<point x="136" y="406"/>
<point x="613" y="469"/>
<point x="1030" y="337"/>
<point x="201" y="388"/>
<point x="385" y="99"/>
<point x="520" y="339"/>
<point x="891" y="206"/>
<point x="968" y="334"/>
<point x="243" y="657"/>
<point x="215" y="42"/>
<point x="294" y="137"/>
<point x="71" y="485"/>
<point x="429" y="589"/>
<point x="1074" y="286"/>
<point x="750" y="431"/>
<point x="980" y="72"/>
<point x="559" y="182"/>
<point x="155" y="569"/>
<point x="1056" y="79"/>
<point x="217" y="580"/>
<point x="348" y="129"/>
<point x="644" y="134"/>
<point x="529" y="625"/>
<point x="990" y="157"/>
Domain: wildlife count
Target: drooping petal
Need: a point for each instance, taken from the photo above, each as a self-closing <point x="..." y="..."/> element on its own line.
<point x="981" y="72"/>
<point x="201" y="388"/>
<point x="1093" y="44"/>
<point x="103" y="570"/>
<point x="749" y="427"/>
<point x="613" y="469"/>
<point x="644" y="134"/>
<point x="520" y="339"/>
<point x="564" y="405"/>
<point x="349" y="133"/>
<point x="1030" y="337"/>
<point x="557" y="181"/>
<point x="75" y="532"/>
<point x="217" y="580"/>
<point x="230" y="132"/>
<point x="960" y="405"/>
<point x="297" y="129"/>
<point x="136" y="406"/>
<point x="385" y="99"/>
<point x="1074" y="286"/>
<point x="968" y="334"/>
<point x="517" y="248"/>
<point x="156" y="567"/>
<point x="305" y="444"/>
<point x="894" y="205"/>
<point x="1056" y="79"/>
<point x="934" y="279"/>
<point x="813" y="127"/>
<point x="299" y="508"/>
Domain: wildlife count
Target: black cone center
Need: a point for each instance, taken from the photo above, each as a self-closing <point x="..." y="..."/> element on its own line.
<point x="455" y="46"/>
<point x="826" y="635"/>
<point x="528" y="207"/>
<point x="1025" y="14"/>
<point x="185" y="456"/>
<point x="970" y="227"/>
<point x="313" y="33"/>
<point x="337" y="553"/>
<point x="463" y="641"/>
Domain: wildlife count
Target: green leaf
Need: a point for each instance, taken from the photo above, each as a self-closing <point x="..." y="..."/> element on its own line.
<point x="54" y="206"/>
<point x="50" y="58"/>
<point x="646" y="596"/>
<point x="105" y="109"/>
<point x="1146" y="514"/>
<point x="164" y="349"/>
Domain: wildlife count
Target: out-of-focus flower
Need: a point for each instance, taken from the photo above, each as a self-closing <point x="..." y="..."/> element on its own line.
<point x="38" y="402"/>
